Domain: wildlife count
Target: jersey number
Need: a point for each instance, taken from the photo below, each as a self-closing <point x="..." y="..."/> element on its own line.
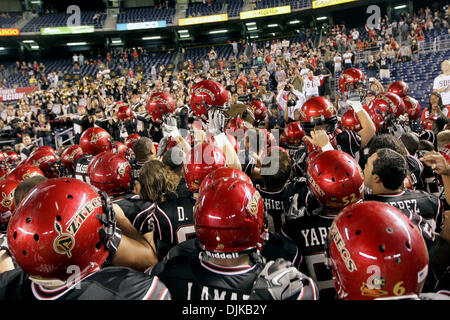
<point x="185" y="233"/>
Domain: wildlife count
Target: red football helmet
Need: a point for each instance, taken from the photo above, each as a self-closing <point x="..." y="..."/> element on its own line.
<point x="3" y="165"/>
<point x="122" y="149"/>
<point x="12" y="158"/>
<point x="293" y="134"/>
<point x="350" y="121"/>
<point x="70" y="155"/>
<point x="229" y="218"/>
<point x="51" y="231"/>
<point x="95" y="140"/>
<point x="45" y="148"/>
<point x="412" y="107"/>
<point x="318" y="111"/>
<point x="224" y="173"/>
<point x="159" y="104"/>
<point x="378" y="111"/>
<point x="111" y="173"/>
<point x="131" y="140"/>
<point x="259" y="110"/>
<point x="207" y="94"/>
<point x="351" y="79"/>
<point x="400" y="88"/>
<point x="125" y="113"/>
<point x="336" y="179"/>
<point x="24" y="171"/>
<point x="376" y="252"/>
<point x="394" y="103"/>
<point x="202" y="160"/>
<point x="45" y="160"/>
<point x="236" y="124"/>
<point x="7" y="205"/>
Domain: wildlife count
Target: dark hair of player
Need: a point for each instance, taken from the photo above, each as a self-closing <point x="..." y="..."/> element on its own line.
<point x="386" y="141"/>
<point x="25" y="186"/>
<point x="391" y="167"/>
<point x="157" y="181"/>
<point x="143" y="149"/>
<point x="411" y="142"/>
<point x="276" y="181"/>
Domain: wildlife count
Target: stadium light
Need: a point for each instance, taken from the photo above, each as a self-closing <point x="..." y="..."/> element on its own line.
<point x="35" y="47"/>
<point x="76" y="43"/>
<point x="184" y="36"/>
<point x="183" y="31"/>
<point x="403" y="6"/>
<point x="272" y="25"/>
<point x="294" y="22"/>
<point x="250" y="24"/>
<point x="28" y="41"/>
<point x="252" y="28"/>
<point x="321" y="18"/>
<point x="116" y="41"/>
<point x="151" y="38"/>
<point x="254" y="36"/>
<point x="218" y="31"/>
<point x="2" y="48"/>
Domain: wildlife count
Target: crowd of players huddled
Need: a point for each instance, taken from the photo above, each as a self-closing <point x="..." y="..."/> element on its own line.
<point x="227" y="186"/>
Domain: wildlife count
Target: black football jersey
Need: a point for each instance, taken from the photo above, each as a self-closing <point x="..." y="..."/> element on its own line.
<point x="135" y="209"/>
<point x="280" y="246"/>
<point x="172" y="220"/>
<point x="415" y="169"/>
<point x="112" y="283"/>
<point x="424" y="210"/>
<point x="418" y="202"/>
<point x="189" y="276"/>
<point x="81" y="168"/>
<point x="277" y="203"/>
<point x="136" y="166"/>
<point x="310" y="234"/>
<point x="348" y="141"/>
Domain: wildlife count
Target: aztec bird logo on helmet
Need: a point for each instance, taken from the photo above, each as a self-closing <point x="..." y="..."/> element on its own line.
<point x="8" y="199"/>
<point x="65" y="242"/>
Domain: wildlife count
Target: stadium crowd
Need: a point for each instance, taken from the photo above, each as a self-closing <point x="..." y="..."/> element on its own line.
<point x="247" y="178"/>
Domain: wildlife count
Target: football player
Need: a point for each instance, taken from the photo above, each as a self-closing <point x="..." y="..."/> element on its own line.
<point x="384" y="175"/>
<point x="376" y="253"/>
<point x="223" y="262"/>
<point x="72" y="241"/>
<point x="335" y="181"/>
<point x="92" y="141"/>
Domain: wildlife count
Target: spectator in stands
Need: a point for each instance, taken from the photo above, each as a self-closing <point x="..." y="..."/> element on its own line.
<point x="324" y="75"/>
<point x="441" y="83"/>
<point x="337" y="63"/>
<point x="347" y="59"/>
<point x="372" y="67"/>
<point x="385" y="72"/>
<point x="311" y="85"/>
<point x="415" y="49"/>
<point x="43" y="130"/>
<point x="275" y="120"/>
<point x="26" y="147"/>
<point x="81" y="59"/>
<point x="405" y="52"/>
